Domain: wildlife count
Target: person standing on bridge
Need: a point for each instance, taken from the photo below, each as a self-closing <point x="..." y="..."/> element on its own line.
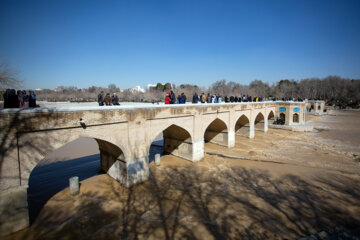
<point x="182" y="98"/>
<point x="115" y="99"/>
<point x="172" y="97"/>
<point x="108" y="100"/>
<point x="195" y="98"/>
<point x="6" y="98"/>
<point x="167" y="99"/>
<point x="101" y="98"/>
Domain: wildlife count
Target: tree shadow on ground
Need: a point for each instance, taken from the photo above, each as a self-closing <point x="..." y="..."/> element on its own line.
<point x="190" y="203"/>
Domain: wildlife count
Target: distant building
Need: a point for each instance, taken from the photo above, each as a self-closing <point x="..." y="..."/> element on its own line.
<point x="150" y="87"/>
<point x="137" y="89"/>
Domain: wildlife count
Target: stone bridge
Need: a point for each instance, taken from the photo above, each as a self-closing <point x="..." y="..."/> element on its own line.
<point x="124" y="135"/>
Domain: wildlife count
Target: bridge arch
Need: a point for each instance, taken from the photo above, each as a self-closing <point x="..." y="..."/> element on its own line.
<point x="37" y="145"/>
<point x="259" y="122"/>
<point x="271" y="116"/>
<point x="242" y="126"/>
<point x="176" y="141"/>
<point x="84" y="157"/>
<point x="295" y="118"/>
<point x="217" y="132"/>
<point x="282" y="116"/>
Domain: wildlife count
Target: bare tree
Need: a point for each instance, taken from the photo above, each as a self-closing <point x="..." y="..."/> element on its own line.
<point x="8" y="76"/>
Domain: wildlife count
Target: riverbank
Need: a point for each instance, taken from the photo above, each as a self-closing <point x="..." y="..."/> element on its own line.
<point x="279" y="185"/>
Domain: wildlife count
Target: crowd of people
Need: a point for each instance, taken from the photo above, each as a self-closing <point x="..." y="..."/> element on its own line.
<point x="107" y="100"/>
<point x="215" y="98"/>
<point x="19" y="99"/>
<point x="170" y="98"/>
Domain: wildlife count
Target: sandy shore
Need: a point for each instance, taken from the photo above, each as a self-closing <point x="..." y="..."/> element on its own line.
<point x="279" y="185"/>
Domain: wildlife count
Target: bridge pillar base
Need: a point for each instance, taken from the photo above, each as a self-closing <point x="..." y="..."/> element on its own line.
<point x="197" y="150"/>
<point x="231" y="138"/>
<point x="14" y="212"/>
<point x="137" y="171"/>
<point x="266" y="125"/>
<point x="219" y="138"/>
<point x="252" y="131"/>
<point x="127" y="172"/>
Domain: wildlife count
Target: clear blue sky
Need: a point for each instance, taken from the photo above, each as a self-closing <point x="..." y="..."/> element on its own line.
<point x="129" y="43"/>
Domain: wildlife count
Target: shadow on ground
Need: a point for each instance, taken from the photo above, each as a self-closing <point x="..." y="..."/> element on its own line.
<point x="190" y="203"/>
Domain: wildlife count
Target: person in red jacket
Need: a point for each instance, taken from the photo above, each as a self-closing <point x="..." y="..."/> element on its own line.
<point x="167" y="99"/>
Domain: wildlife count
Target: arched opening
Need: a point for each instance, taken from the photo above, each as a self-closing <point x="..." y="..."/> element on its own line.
<point x="217" y="133"/>
<point x="296" y="118"/>
<point x="156" y="147"/>
<point x="259" y="122"/>
<point x="177" y="141"/>
<point x="319" y="107"/>
<point x="271" y="116"/>
<point x="84" y="157"/>
<point x="280" y="120"/>
<point x="282" y="117"/>
<point x="173" y="140"/>
<point x="242" y="127"/>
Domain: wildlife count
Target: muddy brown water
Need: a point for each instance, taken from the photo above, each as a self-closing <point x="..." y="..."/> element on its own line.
<point x="278" y="185"/>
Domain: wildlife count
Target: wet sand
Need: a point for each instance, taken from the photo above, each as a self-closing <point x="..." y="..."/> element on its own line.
<point x="279" y="185"/>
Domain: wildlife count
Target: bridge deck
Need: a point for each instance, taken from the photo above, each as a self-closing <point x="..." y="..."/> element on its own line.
<point x="69" y="107"/>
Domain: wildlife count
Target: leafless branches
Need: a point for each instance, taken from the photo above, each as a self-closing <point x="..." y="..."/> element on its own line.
<point x="8" y="76"/>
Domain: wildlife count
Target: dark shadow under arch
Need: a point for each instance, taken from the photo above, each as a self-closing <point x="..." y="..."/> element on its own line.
<point x="217" y="133"/>
<point x="173" y="140"/>
<point x="296" y="118"/>
<point x="271" y="116"/>
<point x="242" y="126"/>
<point x="81" y="157"/>
<point x="259" y="122"/>
<point x="282" y="116"/>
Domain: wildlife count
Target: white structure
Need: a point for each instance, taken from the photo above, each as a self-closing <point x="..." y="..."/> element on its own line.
<point x="137" y="89"/>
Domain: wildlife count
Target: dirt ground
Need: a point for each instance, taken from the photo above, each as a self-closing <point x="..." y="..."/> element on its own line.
<point x="279" y="185"/>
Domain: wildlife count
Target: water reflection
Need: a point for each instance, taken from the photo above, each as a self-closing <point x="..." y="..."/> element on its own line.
<point x="46" y="180"/>
<point x="156" y="147"/>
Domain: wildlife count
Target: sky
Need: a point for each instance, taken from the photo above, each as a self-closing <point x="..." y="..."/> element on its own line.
<point x="84" y="43"/>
